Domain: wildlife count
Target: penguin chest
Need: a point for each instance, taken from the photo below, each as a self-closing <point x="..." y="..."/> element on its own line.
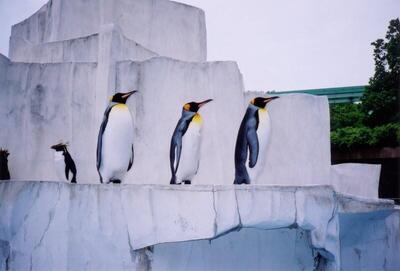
<point x="263" y="135"/>
<point x="117" y="141"/>
<point x="59" y="164"/>
<point x="190" y="154"/>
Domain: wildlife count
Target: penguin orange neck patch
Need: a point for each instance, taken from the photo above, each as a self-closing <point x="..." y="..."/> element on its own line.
<point x="121" y="106"/>
<point x="197" y="119"/>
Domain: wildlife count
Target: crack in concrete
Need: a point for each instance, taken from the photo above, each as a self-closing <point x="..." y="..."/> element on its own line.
<point x="51" y="217"/>
<point x="325" y="255"/>
<point x="216" y="213"/>
<point x="132" y="251"/>
<point x="335" y="208"/>
<point x="8" y="262"/>
<point x="238" y="212"/>
<point x="29" y="210"/>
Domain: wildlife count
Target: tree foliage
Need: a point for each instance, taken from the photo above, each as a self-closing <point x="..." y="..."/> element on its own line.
<point x="376" y="121"/>
<point x="346" y="115"/>
<point x="387" y="135"/>
<point x="380" y="103"/>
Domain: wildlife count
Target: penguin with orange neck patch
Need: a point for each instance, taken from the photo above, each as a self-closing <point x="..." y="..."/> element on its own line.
<point x="252" y="139"/>
<point x="185" y="144"/>
<point x="115" y="140"/>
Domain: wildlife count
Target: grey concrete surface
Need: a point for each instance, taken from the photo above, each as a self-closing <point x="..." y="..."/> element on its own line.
<point x="49" y="225"/>
<point x="167" y="28"/>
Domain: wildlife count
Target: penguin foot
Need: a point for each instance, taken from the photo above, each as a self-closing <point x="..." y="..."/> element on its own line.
<point x="115" y="181"/>
<point x="186" y="182"/>
<point x="241" y="181"/>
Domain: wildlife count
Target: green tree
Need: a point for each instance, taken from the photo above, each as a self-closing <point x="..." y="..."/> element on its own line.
<point x="346" y="115"/>
<point x="376" y="121"/>
<point x="380" y="103"/>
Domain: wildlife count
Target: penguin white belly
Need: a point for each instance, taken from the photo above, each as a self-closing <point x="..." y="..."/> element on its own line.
<point x="117" y="143"/>
<point x="190" y="154"/>
<point x="59" y="164"/>
<point x="263" y="134"/>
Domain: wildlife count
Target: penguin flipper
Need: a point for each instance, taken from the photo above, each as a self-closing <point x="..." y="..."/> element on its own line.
<point x="252" y="141"/>
<point x="175" y="152"/>
<point x="176" y="146"/>
<point x="67" y="173"/>
<point x="100" y="137"/>
<point x="131" y="160"/>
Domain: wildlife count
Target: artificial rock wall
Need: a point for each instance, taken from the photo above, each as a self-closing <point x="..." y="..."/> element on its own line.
<point x="59" y="226"/>
<point x="168" y="28"/>
<point x="64" y="62"/>
<point x="59" y="77"/>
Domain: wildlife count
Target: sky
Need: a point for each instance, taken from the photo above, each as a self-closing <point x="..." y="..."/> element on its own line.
<point x="278" y="45"/>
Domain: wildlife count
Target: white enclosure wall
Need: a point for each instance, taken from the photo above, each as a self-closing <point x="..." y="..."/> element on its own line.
<point x="165" y="27"/>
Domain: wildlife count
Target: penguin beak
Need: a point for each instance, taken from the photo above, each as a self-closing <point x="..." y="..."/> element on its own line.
<point x="128" y="94"/>
<point x="204" y="102"/>
<point x="53" y="147"/>
<point x="267" y="100"/>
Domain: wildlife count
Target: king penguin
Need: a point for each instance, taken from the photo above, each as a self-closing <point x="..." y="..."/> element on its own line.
<point x="64" y="163"/>
<point x="185" y="144"/>
<point x="252" y="139"/>
<point x="115" y="140"/>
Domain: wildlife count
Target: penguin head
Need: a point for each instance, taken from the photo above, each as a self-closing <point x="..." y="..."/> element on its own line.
<point x="194" y="107"/>
<point x="60" y="147"/>
<point x="4" y="154"/>
<point x="261" y="102"/>
<point x="121" y="97"/>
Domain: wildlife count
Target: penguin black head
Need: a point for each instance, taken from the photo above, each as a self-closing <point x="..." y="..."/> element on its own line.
<point x="121" y="97"/>
<point x="60" y="147"/>
<point x="4" y="154"/>
<point x="194" y="107"/>
<point x="261" y="102"/>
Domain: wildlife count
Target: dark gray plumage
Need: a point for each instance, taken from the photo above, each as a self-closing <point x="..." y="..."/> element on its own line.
<point x="246" y="141"/>
<point x="188" y="148"/>
<point x="176" y="142"/>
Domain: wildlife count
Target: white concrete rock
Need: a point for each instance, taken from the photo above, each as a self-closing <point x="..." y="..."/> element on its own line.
<point x="90" y="49"/>
<point x="164" y="27"/>
<point x="165" y="85"/>
<point x="47" y="226"/>
<point x="65" y="103"/>
<point x="247" y="249"/>
<point x="42" y="104"/>
<point x="85" y="49"/>
<point x="298" y="152"/>
<point x="73" y="97"/>
<point x="359" y="179"/>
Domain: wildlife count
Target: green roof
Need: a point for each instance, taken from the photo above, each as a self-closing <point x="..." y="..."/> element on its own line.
<point x="335" y="95"/>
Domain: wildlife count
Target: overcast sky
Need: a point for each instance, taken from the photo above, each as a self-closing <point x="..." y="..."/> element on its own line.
<point x="279" y="45"/>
